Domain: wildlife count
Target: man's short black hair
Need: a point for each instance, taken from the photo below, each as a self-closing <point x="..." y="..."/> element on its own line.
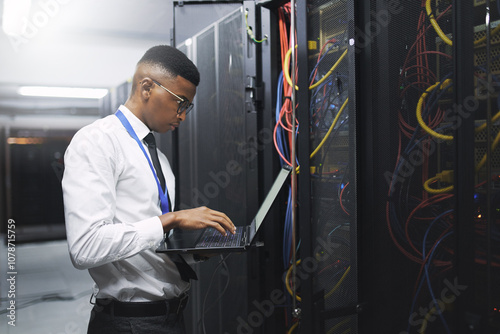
<point x="173" y="61"/>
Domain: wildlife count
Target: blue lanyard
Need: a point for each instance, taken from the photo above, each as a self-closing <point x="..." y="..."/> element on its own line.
<point x="163" y="195"/>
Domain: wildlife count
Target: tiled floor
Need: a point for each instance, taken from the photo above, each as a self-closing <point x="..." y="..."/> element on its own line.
<point x="52" y="297"/>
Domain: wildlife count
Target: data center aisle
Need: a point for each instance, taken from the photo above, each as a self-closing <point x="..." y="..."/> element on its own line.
<point x="51" y="296"/>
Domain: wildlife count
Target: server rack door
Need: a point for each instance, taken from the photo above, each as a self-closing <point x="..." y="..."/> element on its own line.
<point x="215" y="164"/>
<point x="321" y="281"/>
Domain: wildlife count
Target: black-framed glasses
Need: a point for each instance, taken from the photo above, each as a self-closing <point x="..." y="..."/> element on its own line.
<point x="183" y="104"/>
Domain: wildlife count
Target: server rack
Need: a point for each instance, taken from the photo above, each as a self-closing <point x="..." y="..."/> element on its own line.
<point x="328" y="168"/>
<point x="326" y="257"/>
<point x="218" y="157"/>
<point x="423" y="246"/>
<point x="406" y="253"/>
<point x="427" y="250"/>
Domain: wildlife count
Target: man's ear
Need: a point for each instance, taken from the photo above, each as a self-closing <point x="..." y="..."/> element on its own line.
<point x="145" y="86"/>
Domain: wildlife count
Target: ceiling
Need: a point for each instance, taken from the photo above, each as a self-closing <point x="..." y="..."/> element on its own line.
<point x="79" y="43"/>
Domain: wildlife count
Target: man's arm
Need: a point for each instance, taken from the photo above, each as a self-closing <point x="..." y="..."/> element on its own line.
<point x="92" y="166"/>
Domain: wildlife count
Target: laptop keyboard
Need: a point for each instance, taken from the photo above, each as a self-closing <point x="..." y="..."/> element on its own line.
<point x="212" y="238"/>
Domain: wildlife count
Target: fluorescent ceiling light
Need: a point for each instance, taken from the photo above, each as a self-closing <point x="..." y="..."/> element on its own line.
<point x="15" y="15"/>
<point x="70" y="92"/>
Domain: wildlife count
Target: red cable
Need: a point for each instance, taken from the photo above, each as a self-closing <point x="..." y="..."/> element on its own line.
<point x="342" y="205"/>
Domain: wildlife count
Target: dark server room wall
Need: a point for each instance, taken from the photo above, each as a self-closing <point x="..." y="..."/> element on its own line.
<point x="424" y="266"/>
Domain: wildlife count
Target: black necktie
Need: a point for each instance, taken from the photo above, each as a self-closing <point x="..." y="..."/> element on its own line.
<point x="150" y="140"/>
<point x="185" y="270"/>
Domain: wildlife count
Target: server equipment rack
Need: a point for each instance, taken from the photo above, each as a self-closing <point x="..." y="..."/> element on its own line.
<point x="428" y="255"/>
<point x="218" y="154"/>
<point x="395" y="224"/>
<point x="416" y="237"/>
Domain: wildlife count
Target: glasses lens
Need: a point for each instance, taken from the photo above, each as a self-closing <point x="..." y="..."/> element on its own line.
<point x="184" y="106"/>
<point x="189" y="108"/>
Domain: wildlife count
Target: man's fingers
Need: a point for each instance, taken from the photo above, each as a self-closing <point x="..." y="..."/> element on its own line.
<point x="224" y="221"/>
<point x="203" y="217"/>
<point x="216" y="226"/>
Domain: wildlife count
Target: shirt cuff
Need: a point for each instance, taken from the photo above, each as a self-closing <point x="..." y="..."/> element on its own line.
<point x="151" y="231"/>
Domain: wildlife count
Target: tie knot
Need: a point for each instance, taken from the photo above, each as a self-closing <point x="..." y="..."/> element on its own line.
<point x="150" y="140"/>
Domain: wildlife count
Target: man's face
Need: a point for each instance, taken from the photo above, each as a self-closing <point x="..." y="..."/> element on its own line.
<point x="163" y="103"/>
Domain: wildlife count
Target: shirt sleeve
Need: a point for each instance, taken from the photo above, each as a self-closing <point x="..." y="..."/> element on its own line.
<point x="95" y="237"/>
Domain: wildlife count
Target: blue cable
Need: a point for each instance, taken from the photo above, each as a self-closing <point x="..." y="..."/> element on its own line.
<point x="426" y="269"/>
<point x="326" y="106"/>
<point x="322" y="57"/>
<point x="287" y="235"/>
<point x="429" y="228"/>
<point x="280" y="132"/>
<point x="424" y="278"/>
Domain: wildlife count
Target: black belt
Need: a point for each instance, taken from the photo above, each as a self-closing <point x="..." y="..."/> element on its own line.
<point x="141" y="309"/>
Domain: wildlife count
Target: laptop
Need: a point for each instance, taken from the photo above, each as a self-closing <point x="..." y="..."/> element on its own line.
<point x="210" y="240"/>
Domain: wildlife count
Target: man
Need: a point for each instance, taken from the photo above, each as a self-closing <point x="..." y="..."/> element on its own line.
<point x="118" y="202"/>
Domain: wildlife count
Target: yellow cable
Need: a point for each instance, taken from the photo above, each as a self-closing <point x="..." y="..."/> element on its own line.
<point x="419" y="111"/>
<point x="483" y="39"/>
<point x="289" y="80"/>
<point x="330" y="71"/>
<point x="435" y="24"/>
<point x="287" y="283"/>
<point x="485" y="157"/>
<point x="330" y="129"/>
<point x="334" y="328"/>
<point x="293" y="328"/>
<point x="289" y="289"/>
<point x="316" y="150"/>
<point x="338" y="283"/>
<point x="481" y="163"/>
<point x="443" y="35"/>
<point x="250" y="32"/>
<point x="435" y="191"/>
<point x="287" y="65"/>
<point x="483" y="126"/>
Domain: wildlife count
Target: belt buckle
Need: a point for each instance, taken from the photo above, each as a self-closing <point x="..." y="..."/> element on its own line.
<point x="182" y="302"/>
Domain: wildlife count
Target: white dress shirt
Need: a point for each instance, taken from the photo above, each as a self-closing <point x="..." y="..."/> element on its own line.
<point x="111" y="206"/>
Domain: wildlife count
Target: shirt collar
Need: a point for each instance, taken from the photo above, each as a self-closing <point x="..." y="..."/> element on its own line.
<point x="140" y="129"/>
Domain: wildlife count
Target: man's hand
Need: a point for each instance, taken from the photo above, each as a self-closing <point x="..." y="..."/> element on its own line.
<point x="198" y="218"/>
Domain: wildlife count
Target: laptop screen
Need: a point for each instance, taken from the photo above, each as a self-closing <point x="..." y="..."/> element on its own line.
<point x="271" y="196"/>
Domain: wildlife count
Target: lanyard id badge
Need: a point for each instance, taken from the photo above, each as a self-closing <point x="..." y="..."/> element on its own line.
<point x="163" y="195"/>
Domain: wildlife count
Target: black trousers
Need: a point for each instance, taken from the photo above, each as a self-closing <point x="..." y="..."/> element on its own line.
<point x="105" y="321"/>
